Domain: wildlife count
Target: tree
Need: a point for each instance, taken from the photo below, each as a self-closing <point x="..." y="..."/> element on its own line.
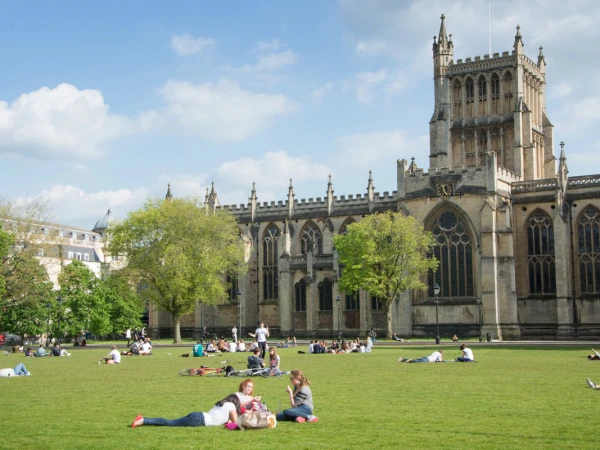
<point x="83" y="301"/>
<point x="125" y="307"/>
<point x="180" y="252"/>
<point x="385" y="254"/>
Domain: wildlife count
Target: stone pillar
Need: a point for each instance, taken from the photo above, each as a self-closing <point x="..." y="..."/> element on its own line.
<point x="285" y="295"/>
<point x="564" y="305"/>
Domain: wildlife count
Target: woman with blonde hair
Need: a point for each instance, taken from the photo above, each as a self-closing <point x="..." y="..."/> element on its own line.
<point x="300" y="399"/>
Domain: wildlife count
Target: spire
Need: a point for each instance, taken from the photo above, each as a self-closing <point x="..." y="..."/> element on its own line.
<point x="442" y="37"/>
<point x="541" y="62"/>
<point x="370" y="187"/>
<point x="211" y="199"/>
<point x="562" y="179"/>
<point x="290" y="200"/>
<point x="329" y="196"/>
<point x="518" y="45"/>
<point x="253" y="201"/>
<point x="443" y="45"/>
<point x="169" y="196"/>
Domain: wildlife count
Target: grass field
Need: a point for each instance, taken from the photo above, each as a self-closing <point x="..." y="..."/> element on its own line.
<point x="512" y="398"/>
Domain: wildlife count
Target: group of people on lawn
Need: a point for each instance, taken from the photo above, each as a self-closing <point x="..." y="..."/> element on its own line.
<point x="438" y="356"/>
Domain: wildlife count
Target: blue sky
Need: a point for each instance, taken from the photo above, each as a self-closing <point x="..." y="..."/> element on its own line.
<point x="102" y="105"/>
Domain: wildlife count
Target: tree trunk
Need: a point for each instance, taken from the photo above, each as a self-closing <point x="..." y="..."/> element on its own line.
<point x="388" y="319"/>
<point x="176" y="329"/>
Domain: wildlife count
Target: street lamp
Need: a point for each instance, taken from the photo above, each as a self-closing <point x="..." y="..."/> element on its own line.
<point x="478" y="300"/>
<point x="436" y="292"/>
<point x="339" y="306"/>
<point x="48" y="306"/>
<point x="238" y="295"/>
<point x="59" y="300"/>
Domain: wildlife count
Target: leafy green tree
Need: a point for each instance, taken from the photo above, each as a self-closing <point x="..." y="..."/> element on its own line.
<point x="84" y="299"/>
<point x="181" y="253"/>
<point x="6" y="241"/>
<point x="125" y="307"/>
<point x="385" y="254"/>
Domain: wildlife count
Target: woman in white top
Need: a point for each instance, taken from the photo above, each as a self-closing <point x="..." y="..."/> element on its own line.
<point x="241" y="346"/>
<point x="223" y="412"/>
<point x="246" y="393"/>
<point x="261" y="334"/>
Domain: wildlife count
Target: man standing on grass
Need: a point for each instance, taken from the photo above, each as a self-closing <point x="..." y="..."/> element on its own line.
<point x="261" y="334"/>
<point x="467" y="354"/>
<point x="234" y="333"/>
<point x="128" y="335"/>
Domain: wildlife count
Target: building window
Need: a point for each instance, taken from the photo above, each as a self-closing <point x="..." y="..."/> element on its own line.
<point x="376" y="303"/>
<point x="540" y="254"/>
<point x="507" y="83"/>
<point x="588" y="237"/>
<point x="325" y="295"/>
<point x="73" y="235"/>
<point x="85" y="237"/>
<point x="482" y="89"/>
<point x="495" y="94"/>
<point x="86" y="257"/>
<point x="311" y="239"/>
<point x="470" y="97"/>
<point x="70" y="255"/>
<point x="454" y="252"/>
<point x="457" y="97"/>
<point x="270" y="263"/>
<point x="300" y="291"/>
<point x="79" y="256"/>
<point x="344" y="228"/>
<point x="45" y="231"/>
<point x="353" y="301"/>
<point x="232" y="288"/>
<point x="60" y="233"/>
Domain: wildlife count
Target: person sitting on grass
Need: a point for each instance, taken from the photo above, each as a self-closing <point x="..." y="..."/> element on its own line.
<point x="146" y="348"/>
<point x="434" y="357"/>
<point x="58" y="351"/>
<point x="29" y="353"/>
<point x="114" y="357"/>
<point x="19" y="370"/>
<point x="224" y="411"/>
<point x="222" y="345"/>
<point x="396" y="338"/>
<point x="255" y="361"/>
<point x="246" y="394"/>
<point x="344" y="348"/>
<point x="467" y="354"/>
<point x="211" y="347"/>
<point x="241" y="345"/>
<point x="41" y="351"/>
<point x="300" y="399"/>
<point x="274" y="360"/>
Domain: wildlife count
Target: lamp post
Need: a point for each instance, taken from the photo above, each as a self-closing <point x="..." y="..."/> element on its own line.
<point x="238" y="295"/>
<point x="59" y="300"/>
<point x="436" y="292"/>
<point x="478" y="300"/>
<point x="338" y="300"/>
<point x="48" y="306"/>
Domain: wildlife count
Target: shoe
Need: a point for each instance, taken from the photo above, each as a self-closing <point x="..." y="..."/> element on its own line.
<point x="138" y="417"/>
<point x="28" y="374"/>
<point x="313" y="418"/>
<point x="300" y="419"/>
<point x="591" y="383"/>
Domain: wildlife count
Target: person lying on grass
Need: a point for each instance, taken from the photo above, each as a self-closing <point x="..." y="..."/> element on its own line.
<point x="19" y="370"/>
<point x="434" y="357"/>
<point x="246" y="394"/>
<point x="224" y="411"/>
<point x="300" y="399"/>
<point x="595" y="356"/>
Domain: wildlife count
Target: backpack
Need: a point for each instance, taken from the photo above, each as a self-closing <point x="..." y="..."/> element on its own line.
<point x="198" y="350"/>
<point x="257" y="420"/>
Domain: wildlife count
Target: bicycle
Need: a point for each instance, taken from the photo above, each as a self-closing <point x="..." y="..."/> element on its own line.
<point x="203" y="371"/>
<point x="264" y="372"/>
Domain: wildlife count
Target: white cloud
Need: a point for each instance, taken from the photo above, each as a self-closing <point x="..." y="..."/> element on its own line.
<point x="560" y="90"/>
<point x="183" y="184"/>
<point x="367" y="84"/>
<point x="271" y="62"/>
<point x="220" y="111"/>
<point x="61" y="122"/>
<point x="273" y="170"/>
<point x="185" y="44"/>
<point x="370" y="47"/>
<point x="369" y="148"/>
<point x="320" y="92"/>
<point x="268" y="45"/>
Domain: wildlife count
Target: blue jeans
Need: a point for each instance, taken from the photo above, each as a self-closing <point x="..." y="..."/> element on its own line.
<point x="292" y="413"/>
<point x="462" y="359"/>
<point x="20" y="369"/>
<point x="423" y="359"/>
<point x="195" y="419"/>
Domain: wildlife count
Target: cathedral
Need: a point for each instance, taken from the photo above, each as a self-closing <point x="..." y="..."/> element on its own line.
<point x="518" y="240"/>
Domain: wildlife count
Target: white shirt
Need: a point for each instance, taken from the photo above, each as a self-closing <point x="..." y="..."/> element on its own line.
<point x="244" y="399"/>
<point x="128" y="334"/>
<point x="261" y="334"/>
<point x="7" y="373"/>
<point x="116" y="356"/>
<point x="219" y="415"/>
<point x="146" y="347"/>
<point x="242" y="347"/>
<point x="468" y="353"/>
<point x="232" y="346"/>
<point x="435" y="356"/>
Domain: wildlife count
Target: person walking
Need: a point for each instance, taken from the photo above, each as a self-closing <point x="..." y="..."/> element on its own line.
<point x="261" y="334"/>
<point x="128" y="336"/>
<point x="234" y="334"/>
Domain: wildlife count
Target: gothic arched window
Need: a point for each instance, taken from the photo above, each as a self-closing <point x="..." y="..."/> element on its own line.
<point x="352" y="301"/>
<point x="469" y="97"/>
<point x="300" y="291"/>
<point x="232" y="288"/>
<point x="588" y="239"/>
<point x="482" y="89"/>
<point x="454" y="251"/>
<point x="457" y="100"/>
<point x="325" y="295"/>
<point x="540" y="254"/>
<point x="270" y="263"/>
<point x="311" y="238"/>
<point x="344" y="228"/>
<point x="507" y="88"/>
<point x="495" y="94"/>
<point x="376" y="303"/>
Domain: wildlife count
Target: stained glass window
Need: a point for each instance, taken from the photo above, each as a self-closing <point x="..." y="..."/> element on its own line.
<point x="300" y="291"/>
<point x="540" y="254"/>
<point x="588" y="236"/>
<point x="325" y="295"/>
<point x="270" y="262"/>
<point x="311" y="238"/>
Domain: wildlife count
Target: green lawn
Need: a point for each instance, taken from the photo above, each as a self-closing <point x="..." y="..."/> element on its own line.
<point x="517" y="397"/>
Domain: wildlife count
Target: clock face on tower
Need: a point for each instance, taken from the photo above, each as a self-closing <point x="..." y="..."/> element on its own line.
<point x="444" y="190"/>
